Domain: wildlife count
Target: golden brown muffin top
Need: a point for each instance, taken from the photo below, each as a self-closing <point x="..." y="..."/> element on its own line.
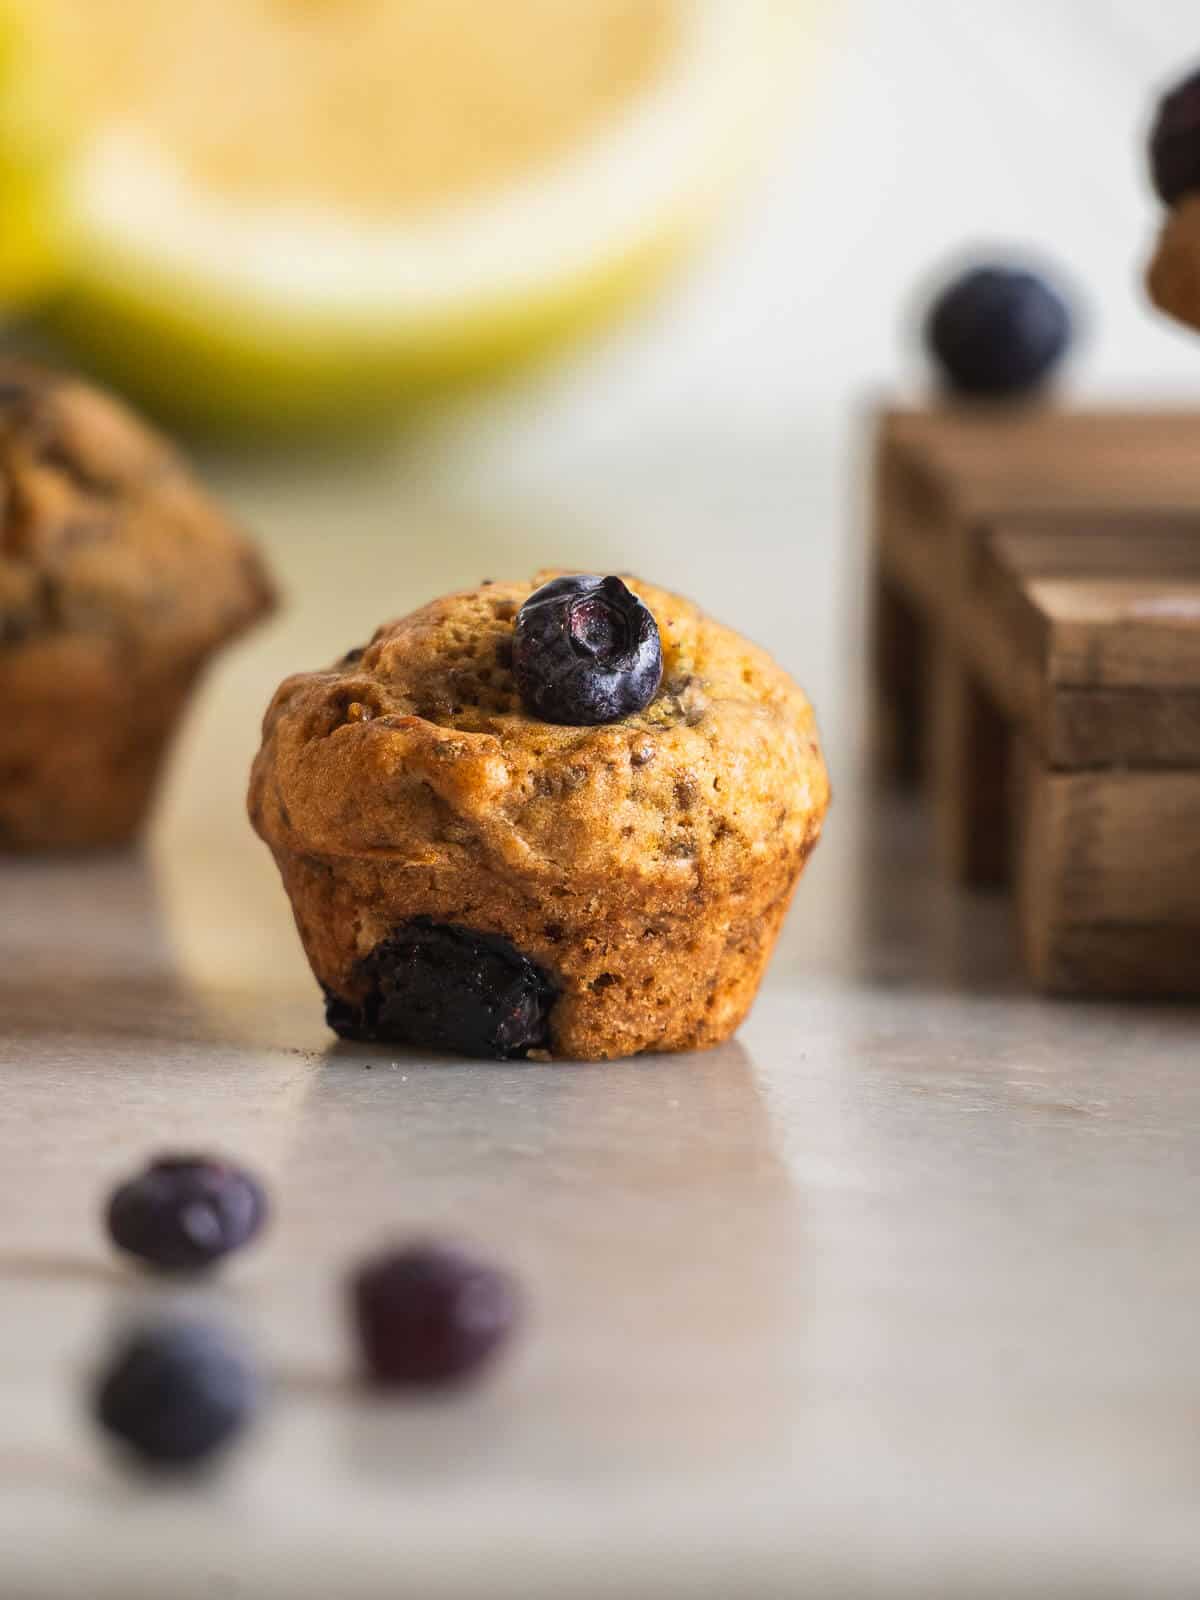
<point x="104" y="534"/>
<point x="416" y="748"/>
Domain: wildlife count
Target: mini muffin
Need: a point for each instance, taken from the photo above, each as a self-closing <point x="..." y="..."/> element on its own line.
<point x="554" y="818"/>
<point x="119" y="578"/>
<point x="1173" y="275"/>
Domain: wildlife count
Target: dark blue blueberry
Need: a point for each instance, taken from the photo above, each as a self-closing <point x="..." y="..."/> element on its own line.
<point x="586" y="650"/>
<point x="186" y="1212"/>
<point x="997" y="331"/>
<point x="1175" y="141"/>
<point x="437" y="986"/>
<point x="175" y="1393"/>
<point x="431" y="1315"/>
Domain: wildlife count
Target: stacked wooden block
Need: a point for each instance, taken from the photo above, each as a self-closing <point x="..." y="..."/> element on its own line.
<point x="1037" y="639"/>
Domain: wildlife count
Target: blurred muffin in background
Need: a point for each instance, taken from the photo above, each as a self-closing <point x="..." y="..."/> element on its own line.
<point x="282" y="211"/>
<point x="119" y="579"/>
<point x="1173" y="272"/>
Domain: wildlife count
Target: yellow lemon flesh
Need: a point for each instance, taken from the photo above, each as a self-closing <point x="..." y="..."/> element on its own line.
<point x="33" y="151"/>
<point x="285" y="211"/>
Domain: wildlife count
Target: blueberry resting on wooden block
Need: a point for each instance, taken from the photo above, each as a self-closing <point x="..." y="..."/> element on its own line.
<point x="997" y="332"/>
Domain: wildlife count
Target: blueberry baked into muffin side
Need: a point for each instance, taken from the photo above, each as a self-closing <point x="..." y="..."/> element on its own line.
<point x="570" y="827"/>
<point x="119" y="578"/>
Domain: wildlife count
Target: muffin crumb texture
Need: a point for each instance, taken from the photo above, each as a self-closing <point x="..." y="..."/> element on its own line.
<point x="643" y="867"/>
<point x="119" y="578"/>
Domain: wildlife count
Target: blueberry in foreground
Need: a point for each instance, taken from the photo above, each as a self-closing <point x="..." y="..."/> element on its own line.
<point x="175" y="1393"/>
<point x="997" y="331"/>
<point x="586" y="650"/>
<point x="183" y="1213"/>
<point x="431" y="1315"/>
<point x="438" y="986"/>
<point x="1175" y="141"/>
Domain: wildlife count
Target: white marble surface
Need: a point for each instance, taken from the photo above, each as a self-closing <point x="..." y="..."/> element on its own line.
<point x="897" y="1295"/>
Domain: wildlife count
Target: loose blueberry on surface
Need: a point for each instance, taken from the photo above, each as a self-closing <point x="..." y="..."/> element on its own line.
<point x="175" y="1393"/>
<point x="586" y="650"/>
<point x="1175" y="141"/>
<point x="431" y="1315"/>
<point x="437" y="986"/>
<point x="184" y="1213"/>
<point x="997" y="331"/>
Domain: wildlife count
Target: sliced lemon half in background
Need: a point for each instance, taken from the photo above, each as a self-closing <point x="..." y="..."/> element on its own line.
<point x="283" y="211"/>
<point x="33" y="153"/>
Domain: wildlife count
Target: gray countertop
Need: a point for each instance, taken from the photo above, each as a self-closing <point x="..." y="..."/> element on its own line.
<point x="896" y="1294"/>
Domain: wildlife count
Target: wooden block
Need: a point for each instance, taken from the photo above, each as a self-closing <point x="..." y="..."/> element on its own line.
<point x="1097" y="727"/>
<point x="1049" y="564"/>
<point x="1119" y="963"/>
<point x="1120" y="632"/>
<point x="967" y="764"/>
<point x="1108" y="880"/>
<point x="899" y="675"/>
<point x="943" y="475"/>
<point x="1090" y="639"/>
<point x="1105" y="543"/>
